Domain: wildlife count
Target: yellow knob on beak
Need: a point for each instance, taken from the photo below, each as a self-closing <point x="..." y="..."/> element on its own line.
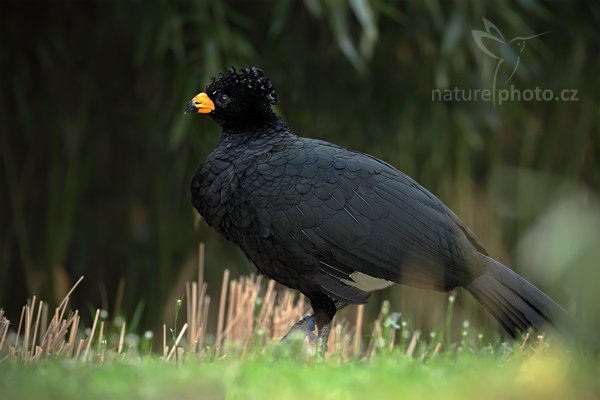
<point x="201" y="104"/>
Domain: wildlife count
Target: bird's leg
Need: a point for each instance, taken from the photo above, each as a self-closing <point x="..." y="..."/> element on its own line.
<point x="322" y="338"/>
<point x="307" y="324"/>
<point x="324" y="308"/>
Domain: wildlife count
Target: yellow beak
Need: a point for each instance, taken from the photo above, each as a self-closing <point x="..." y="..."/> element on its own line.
<point x="201" y="104"/>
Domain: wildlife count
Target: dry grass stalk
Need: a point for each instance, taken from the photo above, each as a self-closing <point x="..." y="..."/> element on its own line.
<point x="240" y="309"/>
<point x="38" y="353"/>
<point x="197" y="306"/>
<point x="232" y="299"/>
<point x="358" y="329"/>
<point x="89" y="342"/>
<point x="286" y="313"/>
<point x="25" y="347"/>
<point x="79" y="348"/>
<point x="173" y="350"/>
<point x="44" y="322"/>
<point x="392" y="339"/>
<point x="201" y="317"/>
<point x="413" y="344"/>
<point x="200" y="303"/>
<point x="100" y="336"/>
<point x="73" y="334"/>
<point x="523" y="344"/>
<point x="202" y="327"/>
<point x="69" y="293"/>
<point x="121" y="338"/>
<point x="267" y="308"/>
<point x="222" y="309"/>
<point x="56" y="336"/>
<point x="376" y="335"/>
<point x="338" y="345"/>
<point x="53" y="335"/>
<point x="201" y="265"/>
<point x="191" y="291"/>
<point x="165" y="347"/>
<point x="20" y="324"/>
<point x="29" y="309"/>
<point x="437" y="349"/>
<point x="240" y="320"/>
<point x="37" y="324"/>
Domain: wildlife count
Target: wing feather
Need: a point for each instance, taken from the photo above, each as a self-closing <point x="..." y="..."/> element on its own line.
<point x="358" y="214"/>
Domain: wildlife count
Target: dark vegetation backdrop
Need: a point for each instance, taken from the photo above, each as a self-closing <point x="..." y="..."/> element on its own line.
<point x="97" y="155"/>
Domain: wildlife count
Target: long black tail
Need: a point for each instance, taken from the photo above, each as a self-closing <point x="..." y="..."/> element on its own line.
<point x="517" y="304"/>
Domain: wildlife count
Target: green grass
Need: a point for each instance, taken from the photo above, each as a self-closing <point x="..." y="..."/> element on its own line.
<point x="543" y="373"/>
<point x="392" y="360"/>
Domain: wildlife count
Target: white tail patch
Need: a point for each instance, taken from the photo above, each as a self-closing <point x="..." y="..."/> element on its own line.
<point x="367" y="283"/>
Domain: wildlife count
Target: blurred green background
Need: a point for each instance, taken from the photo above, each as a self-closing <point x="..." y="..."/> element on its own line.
<point x="97" y="155"/>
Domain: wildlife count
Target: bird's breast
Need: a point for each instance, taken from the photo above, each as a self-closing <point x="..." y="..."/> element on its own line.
<point x="219" y="193"/>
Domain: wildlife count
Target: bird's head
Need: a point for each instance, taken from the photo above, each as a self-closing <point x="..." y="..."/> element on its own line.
<point x="237" y="98"/>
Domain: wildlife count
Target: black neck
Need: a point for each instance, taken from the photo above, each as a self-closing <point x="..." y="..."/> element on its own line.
<point x="266" y="121"/>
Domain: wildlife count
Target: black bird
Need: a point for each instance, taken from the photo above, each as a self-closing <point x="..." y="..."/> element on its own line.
<point x="337" y="224"/>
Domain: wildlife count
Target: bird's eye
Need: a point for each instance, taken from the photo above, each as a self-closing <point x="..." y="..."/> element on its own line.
<point x="223" y="99"/>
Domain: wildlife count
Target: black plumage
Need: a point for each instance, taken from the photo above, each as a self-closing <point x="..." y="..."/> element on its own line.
<point x="336" y="224"/>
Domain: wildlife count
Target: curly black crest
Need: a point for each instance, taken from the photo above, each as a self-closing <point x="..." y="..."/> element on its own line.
<point x="253" y="78"/>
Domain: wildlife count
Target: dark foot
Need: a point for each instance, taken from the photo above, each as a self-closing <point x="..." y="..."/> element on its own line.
<point x="305" y="327"/>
